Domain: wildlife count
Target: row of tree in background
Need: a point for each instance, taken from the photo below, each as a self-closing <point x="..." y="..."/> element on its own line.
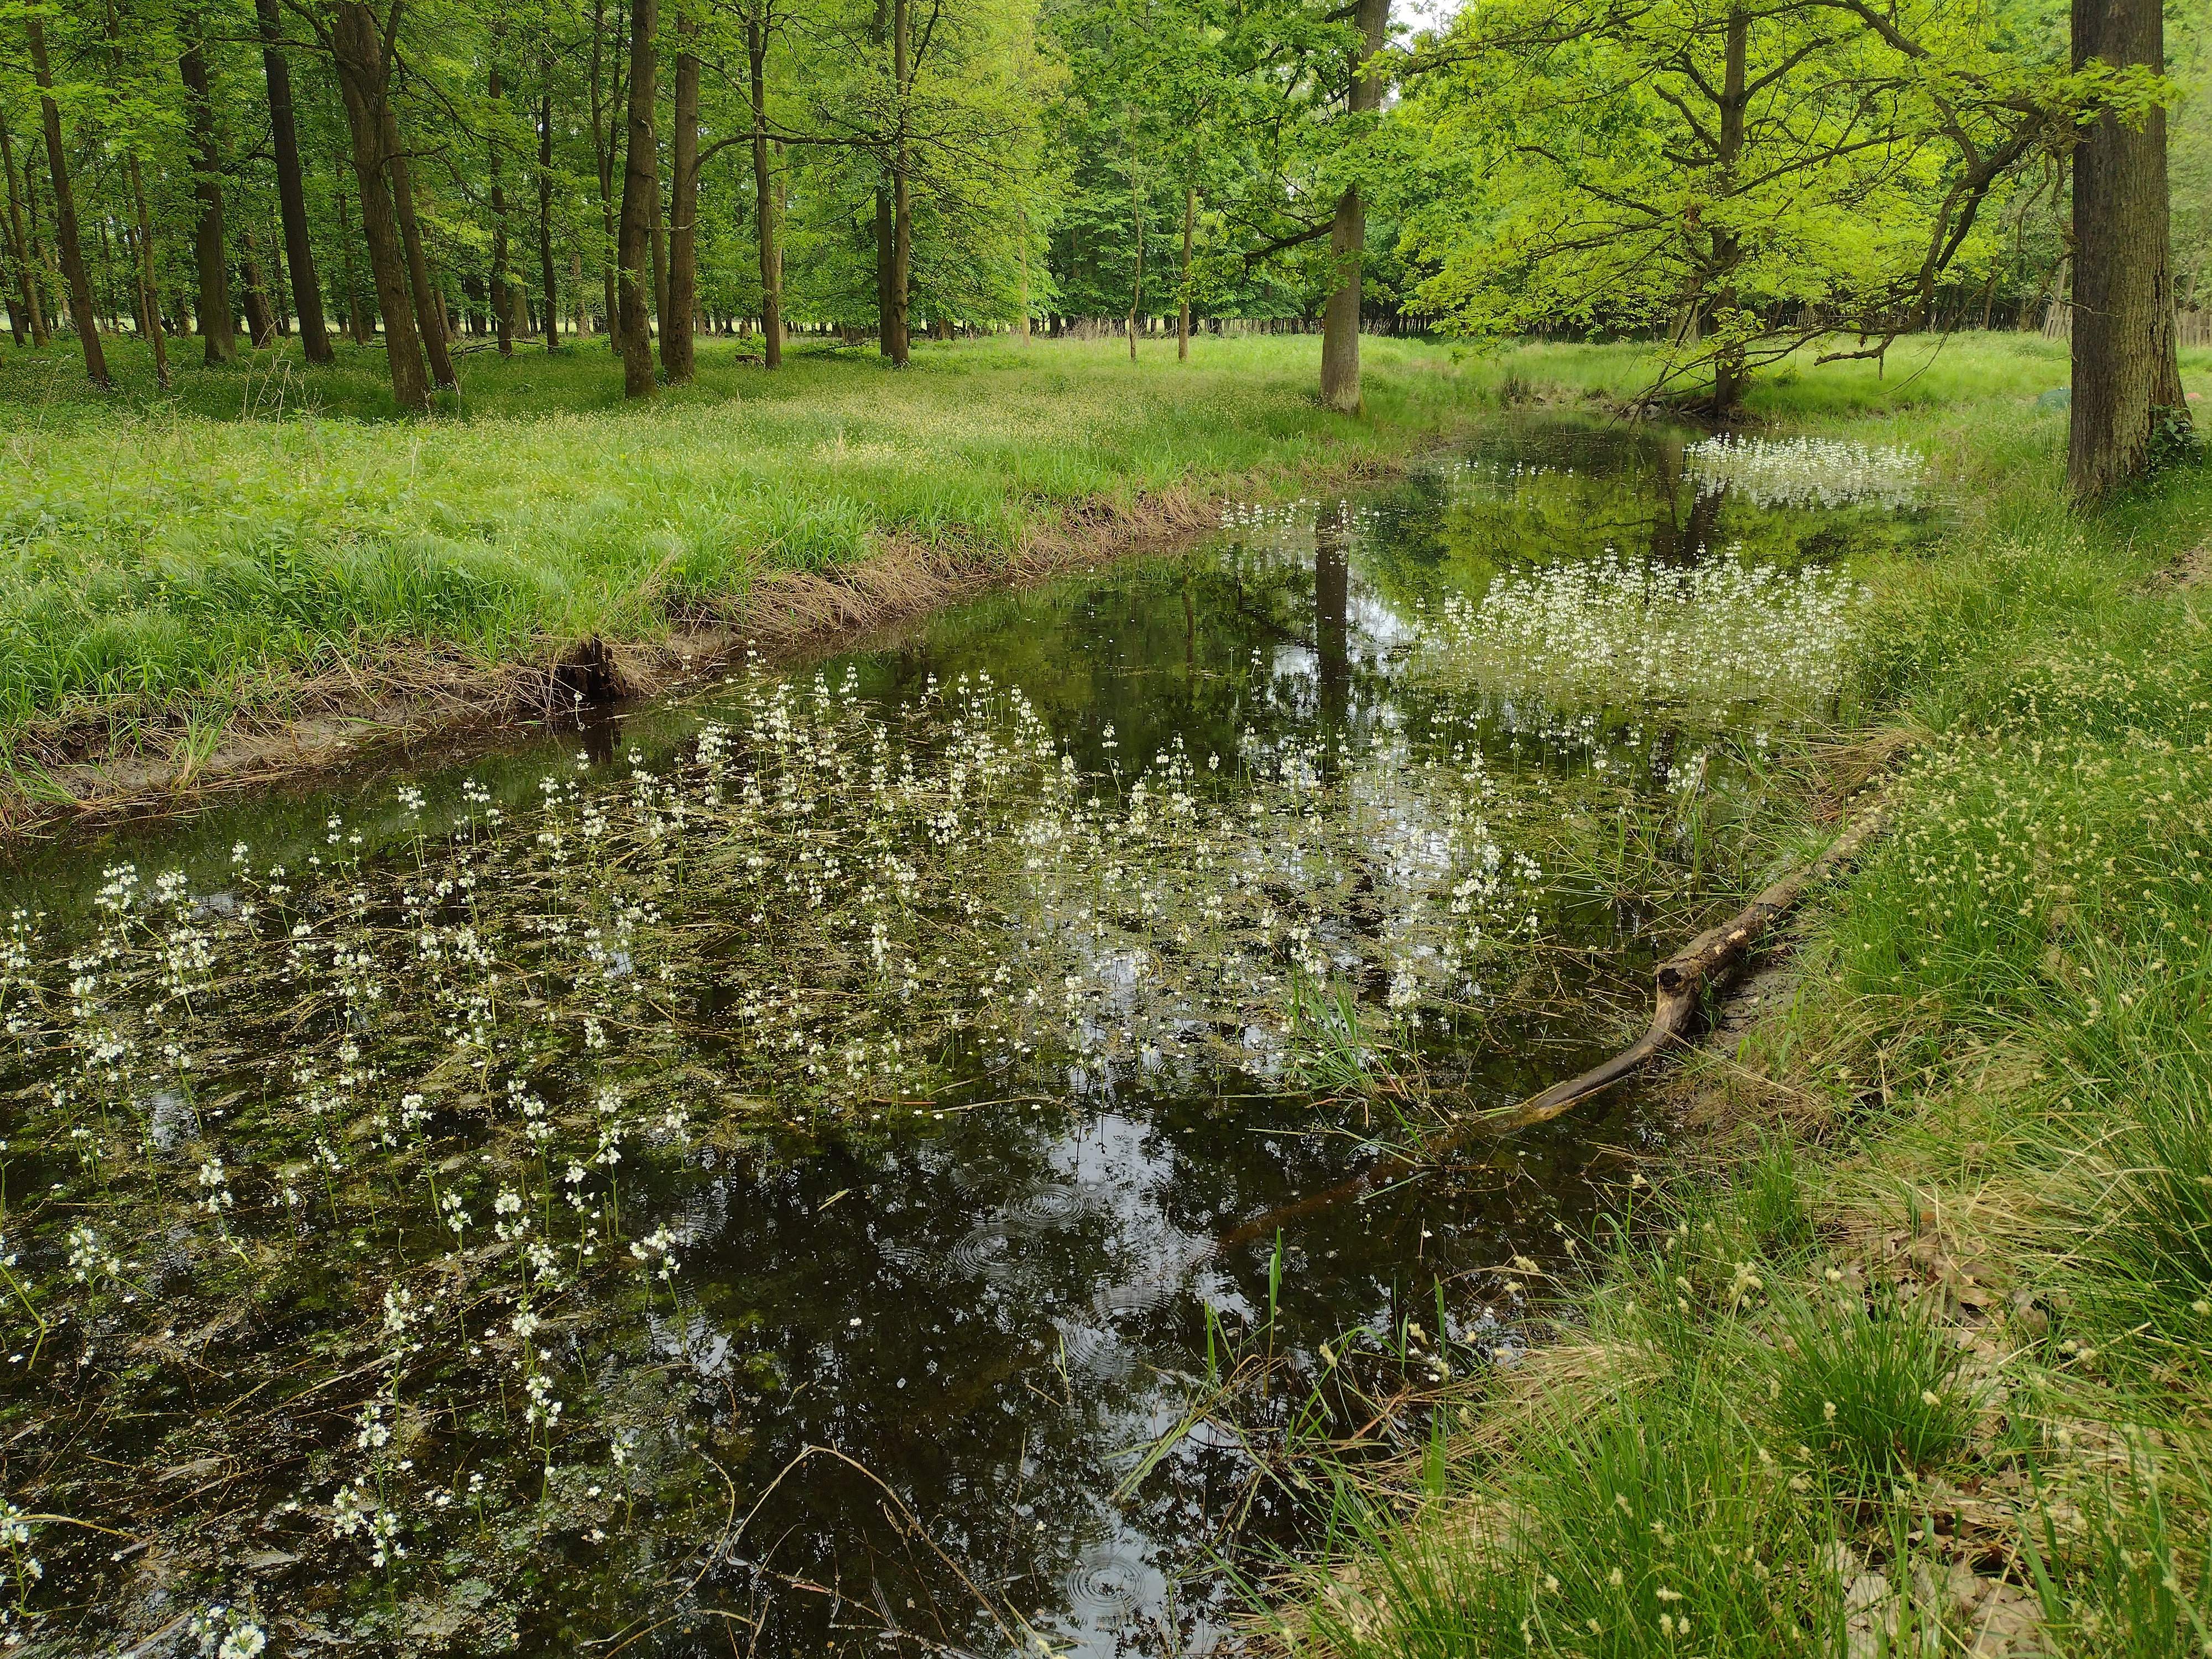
<point x="1729" y="178"/>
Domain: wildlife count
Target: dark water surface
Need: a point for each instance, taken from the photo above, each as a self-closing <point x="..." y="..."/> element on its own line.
<point x="894" y="1392"/>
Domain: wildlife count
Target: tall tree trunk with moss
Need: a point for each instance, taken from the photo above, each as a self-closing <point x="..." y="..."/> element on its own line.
<point x="1347" y="237"/>
<point x="218" y="330"/>
<point x="677" y="349"/>
<point x="546" y="278"/>
<point x="364" y="82"/>
<point x="2127" y="382"/>
<point x="73" y="273"/>
<point x="27" y="281"/>
<point x="641" y="202"/>
<point x="291" y="188"/>
<point x="430" y="307"/>
<point x="765" y="214"/>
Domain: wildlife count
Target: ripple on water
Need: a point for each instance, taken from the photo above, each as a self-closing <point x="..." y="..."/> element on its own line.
<point x="1106" y="1584"/>
<point x="984" y="1250"/>
<point x="1042" y="1207"/>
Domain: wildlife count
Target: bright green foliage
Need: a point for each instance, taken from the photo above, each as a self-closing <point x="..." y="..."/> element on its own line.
<point x="1730" y="178"/>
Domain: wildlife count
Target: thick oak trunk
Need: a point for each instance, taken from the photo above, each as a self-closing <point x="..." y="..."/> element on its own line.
<point x="291" y="189"/>
<point x="218" y="332"/>
<point x="1347" y="237"/>
<point x="2126" y="380"/>
<point x="80" y="286"/>
<point x="363" y="78"/>
<point x="641" y="203"/>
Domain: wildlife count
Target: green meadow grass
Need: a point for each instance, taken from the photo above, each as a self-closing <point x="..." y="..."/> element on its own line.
<point x="1926" y="1350"/>
<point x="168" y="555"/>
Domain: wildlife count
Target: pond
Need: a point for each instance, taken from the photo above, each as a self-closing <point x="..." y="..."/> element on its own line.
<point x="828" y="1162"/>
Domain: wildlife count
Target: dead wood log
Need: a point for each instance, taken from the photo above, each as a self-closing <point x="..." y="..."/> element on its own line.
<point x="1706" y="962"/>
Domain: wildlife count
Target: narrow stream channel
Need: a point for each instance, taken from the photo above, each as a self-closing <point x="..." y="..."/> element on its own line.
<point x="748" y="1174"/>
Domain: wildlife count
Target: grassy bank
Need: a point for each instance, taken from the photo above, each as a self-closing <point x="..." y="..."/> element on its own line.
<point x="260" y="541"/>
<point x="1920" y="1360"/>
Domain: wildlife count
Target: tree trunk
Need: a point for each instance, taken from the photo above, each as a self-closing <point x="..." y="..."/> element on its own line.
<point x="364" y="81"/>
<point x="2126" y="380"/>
<point x="641" y="204"/>
<point x="429" y="306"/>
<point x="675" y="322"/>
<point x="80" y="288"/>
<point x="1022" y="243"/>
<point x="219" y="332"/>
<point x="901" y="206"/>
<point x="765" y="205"/>
<point x="147" y="281"/>
<point x="603" y="147"/>
<point x="1137" y="287"/>
<point x="1729" y="378"/>
<point x="1182" y="315"/>
<point x="356" y="312"/>
<point x="291" y="190"/>
<point x="260" y="320"/>
<point x="502" y="291"/>
<point x="27" y="281"/>
<point x="1347" y="237"/>
<point x="551" y="292"/>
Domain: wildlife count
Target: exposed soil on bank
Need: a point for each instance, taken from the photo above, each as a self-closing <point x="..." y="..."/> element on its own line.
<point x="402" y="697"/>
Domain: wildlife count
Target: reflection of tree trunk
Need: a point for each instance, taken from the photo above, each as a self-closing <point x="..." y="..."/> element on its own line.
<point x="1332" y="631"/>
<point x="1663" y="759"/>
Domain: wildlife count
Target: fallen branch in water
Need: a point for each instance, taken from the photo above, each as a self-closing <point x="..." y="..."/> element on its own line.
<point x="1706" y="961"/>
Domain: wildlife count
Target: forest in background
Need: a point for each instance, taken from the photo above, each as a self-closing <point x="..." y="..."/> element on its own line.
<point x="433" y="176"/>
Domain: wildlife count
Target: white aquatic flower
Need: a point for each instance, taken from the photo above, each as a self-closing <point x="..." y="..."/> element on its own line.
<point x="1808" y="472"/>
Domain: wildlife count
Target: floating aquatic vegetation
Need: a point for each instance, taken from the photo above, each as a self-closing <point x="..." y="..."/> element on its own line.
<point x="1808" y="472"/>
<point x="1703" y="642"/>
<point x="407" y="1108"/>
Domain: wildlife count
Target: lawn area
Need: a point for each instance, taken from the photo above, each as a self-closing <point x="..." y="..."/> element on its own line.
<point x="179" y="561"/>
<point x="1917" y="1355"/>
